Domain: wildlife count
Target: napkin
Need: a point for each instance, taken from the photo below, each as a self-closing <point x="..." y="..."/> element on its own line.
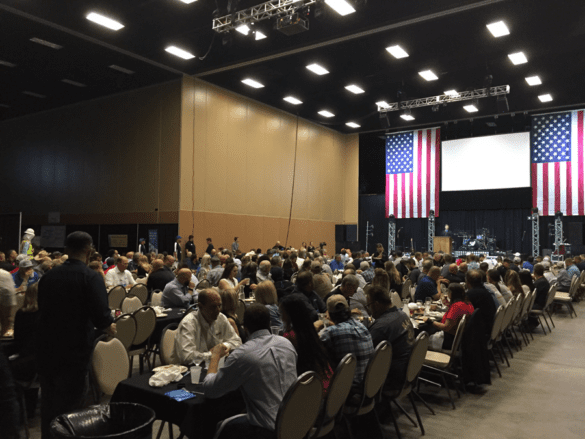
<point x="164" y="377"/>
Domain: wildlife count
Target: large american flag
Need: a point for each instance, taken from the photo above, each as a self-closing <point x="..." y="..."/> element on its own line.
<point x="556" y="156"/>
<point x="412" y="173"/>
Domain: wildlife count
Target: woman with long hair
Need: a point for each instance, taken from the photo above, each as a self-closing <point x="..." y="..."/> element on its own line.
<point x="97" y="266"/>
<point x="299" y="329"/>
<point x="228" y="279"/>
<point x="494" y="278"/>
<point x="144" y="268"/>
<point x="288" y="269"/>
<point x="229" y="302"/>
<point x="265" y="294"/>
<point x="394" y="276"/>
<point x="513" y="283"/>
<point x="205" y="267"/>
<point x="526" y="281"/>
<point x="380" y="279"/>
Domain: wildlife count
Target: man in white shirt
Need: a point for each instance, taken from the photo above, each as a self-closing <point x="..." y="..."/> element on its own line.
<point x="263" y="272"/>
<point x="119" y="275"/>
<point x="203" y="329"/>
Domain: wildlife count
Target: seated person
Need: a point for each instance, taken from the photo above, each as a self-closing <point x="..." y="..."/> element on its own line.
<point x="201" y="330"/>
<point x="159" y="277"/>
<point x="354" y="295"/>
<point x="462" y="272"/>
<point x="119" y="275"/>
<point x="304" y="290"/>
<point x="179" y="292"/>
<point x="346" y="336"/>
<point x="263" y="392"/>
<point x="25" y="276"/>
<point x="229" y="303"/>
<point x="429" y="286"/>
<point x="321" y="281"/>
<point x="336" y="264"/>
<point x="265" y="294"/>
<point x="452" y="275"/>
<point x="216" y="271"/>
<point x="395" y="327"/>
<point x="7" y="302"/>
<point x="263" y="272"/>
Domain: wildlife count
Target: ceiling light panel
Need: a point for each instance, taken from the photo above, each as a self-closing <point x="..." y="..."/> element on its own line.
<point x="121" y="69"/>
<point x="104" y="21"/>
<point x="317" y="69"/>
<point x="259" y="35"/>
<point x="354" y="89"/>
<point x="451" y="93"/>
<point x="352" y="125"/>
<point x="252" y="83"/>
<point x="382" y="104"/>
<point x="397" y="52"/>
<point x="7" y="64"/>
<point x="75" y="83"/>
<point x="545" y="98"/>
<point x="498" y="29"/>
<point x="408" y="117"/>
<point x="518" y="58"/>
<point x="342" y="7"/>
<point x="326" y="113"/>
<point x="35" y="95"/>
<point x="533" y="80"/>
<point x="470" y="108"/>
<point x="188" y="1"/>
<point x="174" y="50"/>
<point x="293" y="100"/>
<point x="46" y="43"/>
<point x="243" y="29"/>
<point x="428" y="75"/>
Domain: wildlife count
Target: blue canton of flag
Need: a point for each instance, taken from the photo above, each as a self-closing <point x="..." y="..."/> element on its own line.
<point x="551" y="138"/>
<point x="399" y="153"/>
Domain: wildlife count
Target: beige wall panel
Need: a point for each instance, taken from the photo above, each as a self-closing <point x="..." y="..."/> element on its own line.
<point x="351" y="198"/>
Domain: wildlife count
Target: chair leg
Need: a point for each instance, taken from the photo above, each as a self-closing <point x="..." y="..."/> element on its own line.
<point x="542" y="325"/>
<point x="448" y="391"/>
<point x="394" y="422"/>
<point x="405" y="413"/>
<point x="424" y="402"/>
<point x="378" y="422"/>
<point x="131" y="366"/>
<point x="162" y="424"/>
<point x="503" y="352"/>
<point x="508" y="345"/>
<point x="348" y="426"/>
<point x="170" y="430"/>
<point x="550" y="317"/>
<point x="422" y="429"/>
<point x="546" y="320"/>
<point x="495" y="362"/>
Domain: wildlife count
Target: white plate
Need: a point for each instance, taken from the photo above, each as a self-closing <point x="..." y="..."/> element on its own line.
<point x="161" y="315"/>
<point x="182" y="369"/>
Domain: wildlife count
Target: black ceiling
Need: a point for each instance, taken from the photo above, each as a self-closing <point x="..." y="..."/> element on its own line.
<point x="448" y="36"/>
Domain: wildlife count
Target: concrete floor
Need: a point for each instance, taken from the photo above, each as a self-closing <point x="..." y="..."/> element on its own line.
<point x="542" y="395"/>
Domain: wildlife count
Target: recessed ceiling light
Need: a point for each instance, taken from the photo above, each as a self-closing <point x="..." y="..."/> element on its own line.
<point x="292" y="100"/>
<point x="259" y="35"/>
<point x="316" y="68"/>
<point x="470" y="108"/>
<point x="397" y="52"/>
<point x="382" y="104"/>
<point x="545" y="98"/>
<point x="326" y="113"/>
<point x="533" y="80"/>
<point x="104" y="21"/>
<point x="7" y="64"/>
<point x="451" y="93"/>
<point x="340" y="6"/>
<point x="518" y="58"/>
<point x="243" y="29"/>
<point x="252" y="83"/>
<point x="498" y="29"/>
<point x="75" y="83"/>
<point x="352" y="125"/>
<point x="46" y="43"/>
<point x="428" y="75"/>
<point x="121" y="69"/>
<point x="354" y="89"/>
<point x="188" y="1"/>
<point x="407" y="117"/>
<point x="36" y="95"/>
<point x="179" y="52"/>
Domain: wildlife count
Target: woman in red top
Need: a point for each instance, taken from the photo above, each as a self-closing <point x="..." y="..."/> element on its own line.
<point x="459" y="306"/>
<point x="299" y="329"/>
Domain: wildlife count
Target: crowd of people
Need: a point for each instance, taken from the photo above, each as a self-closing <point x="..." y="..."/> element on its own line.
<point x="323" y="307"/>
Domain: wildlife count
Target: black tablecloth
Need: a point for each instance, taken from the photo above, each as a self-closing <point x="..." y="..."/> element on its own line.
<point x="173" y="316"/>
<point x="197" y="417"/>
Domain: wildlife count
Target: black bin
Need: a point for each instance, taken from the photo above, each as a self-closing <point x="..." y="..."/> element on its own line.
<point x="114" y="421"/>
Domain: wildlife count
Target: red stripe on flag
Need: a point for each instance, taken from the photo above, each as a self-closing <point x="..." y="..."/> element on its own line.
<point x="419" y="179"/>
<point x="581" y="191"/>
<point x="557" y="187"/>
<point x="396" y="195"/>
<point x="387" y="195"/>
<point x="428" y="171"/>
<point x="412" y="194"/>
<point x="545" y="188"/>
<point x="437" y="168"/>
<point x="569" y="191"/>
<point x="404" y="213"/>
<point x="535" y="186"/>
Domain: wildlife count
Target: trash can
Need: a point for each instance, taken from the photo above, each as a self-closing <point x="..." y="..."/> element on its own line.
<point x="113" y="421"/>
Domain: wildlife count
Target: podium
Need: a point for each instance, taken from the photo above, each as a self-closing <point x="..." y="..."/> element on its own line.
<point x="443" y="244"/>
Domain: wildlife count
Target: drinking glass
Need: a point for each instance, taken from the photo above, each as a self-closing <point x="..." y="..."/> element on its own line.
<point x="195" y="374"/>
<point x="428" y="302"/>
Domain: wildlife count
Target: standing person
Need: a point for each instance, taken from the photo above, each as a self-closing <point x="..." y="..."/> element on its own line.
<point x="190" y="245"/>
<point x="26" y="247"/>
<point x="72" y="302"/>
<point x="177" y="253"/>
<point x="142" y="246"/>
<point x="380" y="257"/>
<point x="210" y="247"/>
<point x="235" y="245"/>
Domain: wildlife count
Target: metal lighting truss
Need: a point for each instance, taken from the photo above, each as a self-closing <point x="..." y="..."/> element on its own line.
<point x="391" y="235"/>
<point x="264" y="11"/>
<point x="558" y="235"/>
<point x="369" y="232"/>
<point x="431" y="232"/>
<point x="446" y="99"/>
<point x="535" y="236"/>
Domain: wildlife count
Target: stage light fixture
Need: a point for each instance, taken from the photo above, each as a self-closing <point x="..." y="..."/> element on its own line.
<point x="406" y="115"/>
<point x="243" y="29"/>
<point x="558" y="214"/>
<point x="382" y="104"/>
<point x="451" y="93"/>
<point x="259" y="35"/>
<point x="535" y="210"/>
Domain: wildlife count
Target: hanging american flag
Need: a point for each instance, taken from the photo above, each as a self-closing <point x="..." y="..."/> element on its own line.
<point x="412" y="173"/>
<point x="556" y="155"/>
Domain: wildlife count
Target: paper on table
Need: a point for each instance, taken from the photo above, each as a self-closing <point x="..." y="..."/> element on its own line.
<point x="164" y="377"/>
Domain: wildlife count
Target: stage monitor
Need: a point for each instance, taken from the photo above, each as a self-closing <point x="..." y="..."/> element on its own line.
<point x="490" y="162"/>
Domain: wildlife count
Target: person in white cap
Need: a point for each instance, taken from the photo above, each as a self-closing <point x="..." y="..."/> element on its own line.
<point x="26" y="247"/>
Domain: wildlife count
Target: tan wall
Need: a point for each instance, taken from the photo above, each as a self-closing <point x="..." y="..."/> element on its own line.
<point x="237" y="160"/>
<point x="111" y="160"/>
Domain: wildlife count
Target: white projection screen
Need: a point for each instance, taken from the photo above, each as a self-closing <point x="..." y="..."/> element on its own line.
<point x="491" y="162"/>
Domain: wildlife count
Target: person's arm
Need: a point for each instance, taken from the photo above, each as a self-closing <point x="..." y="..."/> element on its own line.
<point x="229" y="378"/>
<point x="445" y="327"/>
<point x="130" y="278"/>
<point x="234" y="326"/>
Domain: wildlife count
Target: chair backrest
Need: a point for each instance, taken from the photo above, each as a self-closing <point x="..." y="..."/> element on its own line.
<point x="130" y="304"/>
<point x="377" y="369"/>
<point x="140" y="291"/>
<point x="110" y="364"/>
<point x="551" y="294"/>
<point x="532" y="299"/>
<point x="526" y="304"/>
<point x="396" y="300"/>
<point x="417" y="357"/>
<point x="167" y="343"/>
<point x="115" y="297"/>
<point x="156" y="298"/>
<point x="203" y="284"/>
<point x="145" y="322"/>
<point x="405" y="293"/>
<point x="240" y="310"/>
<point x="340" y="386"/>
<point x="518" y="309"/>
<point x="574" y="285"/>
<point x="509" y="314"/>
<point x="300" y="407"/>
<point x="497" y="326"/>
<point x="142" y="280"/>
<point x="125" y="329"/>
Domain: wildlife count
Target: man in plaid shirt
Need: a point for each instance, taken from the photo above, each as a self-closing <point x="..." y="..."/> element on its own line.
<point x="347" y="336"/>
<point x="367" y="271"/>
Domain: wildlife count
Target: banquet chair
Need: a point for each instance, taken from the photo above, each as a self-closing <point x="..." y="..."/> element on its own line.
<point x="415" y="364"/>
<point x="504" y="330"/>
<point x="167" y="344"/>
<point x="115" y="297"/>
<point x="142" y="280"/>
<point x="405" y="293"/>
<point x="145" y="318"/>
<point x="373" y="383"/>
<point x="299" y="408"/>
<point x="156" y="298"/>
<point x="125" y="330"/>
<point x="130" y="304"/>
<point x="566" y="299"/>
<point x="493" y="341"/>
<point x="442" y="363"/>
<point x="339" y="388"/>
<point x="546" y="309"/>
<point x="396" y="300"/>
<point x="140" y="291"/>
<point x="109" y="365"/>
